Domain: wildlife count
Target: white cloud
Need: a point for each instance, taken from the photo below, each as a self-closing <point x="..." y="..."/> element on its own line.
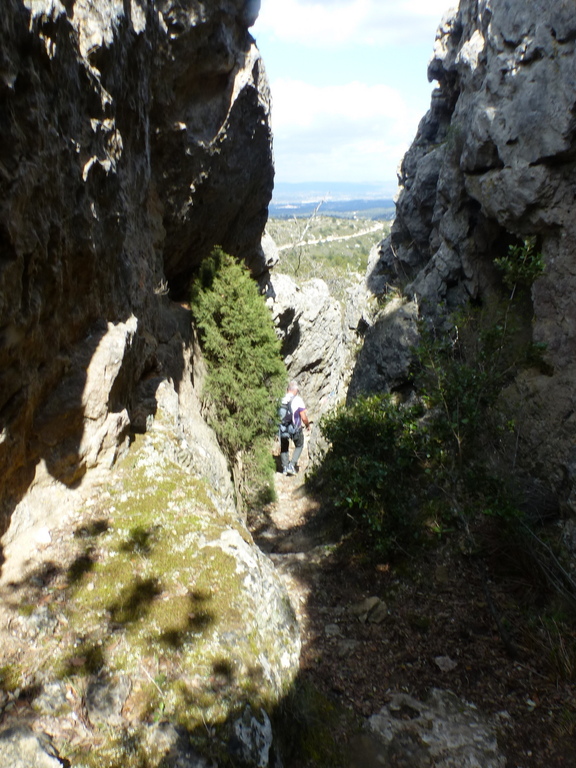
<point x="354" y="131"/>
<point x="321" y="23"/>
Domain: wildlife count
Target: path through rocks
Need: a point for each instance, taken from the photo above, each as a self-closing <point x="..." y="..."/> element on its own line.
<point x="375" y="636"/>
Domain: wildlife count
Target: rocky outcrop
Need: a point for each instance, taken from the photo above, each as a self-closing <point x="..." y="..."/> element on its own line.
<point x="319" y="338"/>
<point x="162" y="609"/>
<point x="309" y="323"/>
<point x="386" y="355"/>
<point x="493" y="163"/>
<point x="134" y="137"/>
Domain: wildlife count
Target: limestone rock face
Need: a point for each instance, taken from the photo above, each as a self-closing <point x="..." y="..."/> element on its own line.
<point x="134" y="136"/>
<point x="493" y="163"/>
<point x="309" y="322"/>
<point x="386" y="355"/>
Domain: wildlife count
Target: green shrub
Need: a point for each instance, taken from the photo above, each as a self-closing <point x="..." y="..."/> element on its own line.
<point x="380" y="453"/>
<point x="246" y="374"/>
<point x="459" y="374"/>
<point x="398" y="468"/>
<point x="522" y="265"/>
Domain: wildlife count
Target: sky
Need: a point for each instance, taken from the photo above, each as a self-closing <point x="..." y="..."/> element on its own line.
<point x="349" y="84"/>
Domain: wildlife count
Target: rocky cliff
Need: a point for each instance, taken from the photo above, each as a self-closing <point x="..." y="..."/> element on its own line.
<point x="493" y="162"/>
<point x="134" y="136"/>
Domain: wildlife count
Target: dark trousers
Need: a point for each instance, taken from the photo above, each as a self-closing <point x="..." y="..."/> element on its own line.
<point x="298" y="440"/>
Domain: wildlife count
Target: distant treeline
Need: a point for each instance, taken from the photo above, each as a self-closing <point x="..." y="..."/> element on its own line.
<point x="365" y="209"/>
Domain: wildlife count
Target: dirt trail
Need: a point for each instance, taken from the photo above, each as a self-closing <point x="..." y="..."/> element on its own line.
<point x="434" y="608"/>
<point x="302" y="541"/>
<point x="297" y="551"/>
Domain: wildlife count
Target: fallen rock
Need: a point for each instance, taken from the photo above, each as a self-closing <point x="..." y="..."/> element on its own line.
<point x="372" y="610"/>
<point x="171" y="747"/>
<point x="252" y="739"/>
<point x="20" y="747"/>
<point x="105" y="699"/>
<point x="445" y="663"/>
<point x="444" y="732"/>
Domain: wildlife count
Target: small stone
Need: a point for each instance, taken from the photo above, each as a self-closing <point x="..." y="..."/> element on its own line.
<point x="442" y="575"/>
<point x="42" y="620"/>
<point x="445" y="663"/>
<point x="20" y="747"/>
<point x="378" y="614"/>
<point x="332" y="630"/>
<point x="105" y="699"/>
<point x="252" y="738"/>
<point x="347" y="647"/>
<point x="52" y="700"/>
<point x="172" y="745"/>
<point x="372" y="610"/>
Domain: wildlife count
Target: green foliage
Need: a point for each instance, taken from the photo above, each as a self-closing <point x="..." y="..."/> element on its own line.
<point x="246" y="374"/>
<point x="459" y="374"/>
<point x="259" y="472"/>
<point x="522" y="265"/>
<point x="401" y="469"/>
<point x="379" y="453"/>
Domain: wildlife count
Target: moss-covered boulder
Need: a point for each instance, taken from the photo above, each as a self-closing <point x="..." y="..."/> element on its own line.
<point x="159" y="611"/>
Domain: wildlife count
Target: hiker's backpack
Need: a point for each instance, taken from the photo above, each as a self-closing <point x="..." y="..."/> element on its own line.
<point x="286" y="417"/>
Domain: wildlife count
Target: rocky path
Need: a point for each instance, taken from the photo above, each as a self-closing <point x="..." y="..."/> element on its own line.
<point x="377" y="638"/>
<point x="415" y="651"/>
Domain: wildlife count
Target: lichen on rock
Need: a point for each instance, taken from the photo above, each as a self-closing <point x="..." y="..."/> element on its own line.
<point x="163" y="608"/>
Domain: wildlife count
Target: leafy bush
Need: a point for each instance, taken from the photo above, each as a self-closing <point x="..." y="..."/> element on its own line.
<point x="379" y="454"/>
<point x="459" y="374"/>
<point x="246" y="374"/>
<point x="396" y="468"/>
<point x="522" y="265"/>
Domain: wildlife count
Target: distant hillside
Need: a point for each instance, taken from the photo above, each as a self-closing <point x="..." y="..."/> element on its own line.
<point x="341" y="199"/>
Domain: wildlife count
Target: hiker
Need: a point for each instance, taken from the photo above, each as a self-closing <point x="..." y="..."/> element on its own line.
<point x="293" y="417"/>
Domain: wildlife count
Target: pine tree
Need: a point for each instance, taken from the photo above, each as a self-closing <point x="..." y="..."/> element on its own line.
<point x="246" y="373"/>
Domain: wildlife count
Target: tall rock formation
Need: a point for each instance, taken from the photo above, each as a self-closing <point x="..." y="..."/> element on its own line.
<point x="493" y="163"/>
<point x="134" y="136"/>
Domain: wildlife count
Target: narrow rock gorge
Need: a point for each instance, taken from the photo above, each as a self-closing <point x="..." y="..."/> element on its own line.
<point x="140" y="623"/>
